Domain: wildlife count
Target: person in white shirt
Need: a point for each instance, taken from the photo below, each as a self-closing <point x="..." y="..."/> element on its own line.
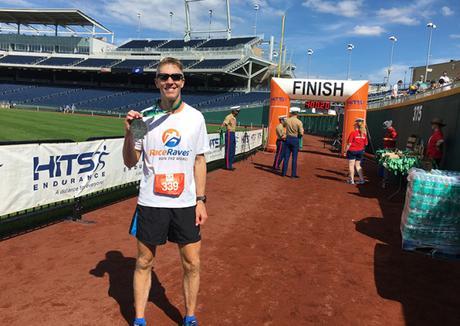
<point x="395" y="89"/>
<point x="445" y="78"/>
<point x="171" y="203"/>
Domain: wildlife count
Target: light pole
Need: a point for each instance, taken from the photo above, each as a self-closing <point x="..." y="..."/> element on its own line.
<point x="138" y="25"/>
<point x="431" y="26"/>
<point x="210" y="21"/>
<point x="350" y="48"/>
<point x="256" y="10"/>
<point x="310" y="53"/>
<point x="393" y="40"/>
<point x="171" y="15"/>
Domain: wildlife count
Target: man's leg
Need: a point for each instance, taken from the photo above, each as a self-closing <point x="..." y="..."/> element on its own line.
<point x="142" y="277"/>
<point x="287" y="153"/>
<point x="232" y="149"/>
<point x="227" y="150"/>
<point x="190" y="256"/>
<point x="277" y="154"/>
<point x="283" y="149"/>
<point x="295" y="151"/>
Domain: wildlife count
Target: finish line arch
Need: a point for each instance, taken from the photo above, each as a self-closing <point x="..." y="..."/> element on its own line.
<point x="352" y="92"/>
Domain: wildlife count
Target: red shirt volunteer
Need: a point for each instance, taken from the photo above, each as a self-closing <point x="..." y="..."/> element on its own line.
<point x="357" y="140"/>
<point x="433" y="150"/>
<point x="389" y="141"/>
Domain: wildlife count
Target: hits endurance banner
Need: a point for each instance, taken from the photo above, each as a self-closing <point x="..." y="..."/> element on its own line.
<point x="38" y="174"/>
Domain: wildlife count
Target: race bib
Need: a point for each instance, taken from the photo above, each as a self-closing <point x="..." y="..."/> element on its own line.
<point x="169" y="184"/>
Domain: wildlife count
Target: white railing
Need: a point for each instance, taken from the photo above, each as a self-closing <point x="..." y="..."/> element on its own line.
<point x="404" y="98"/>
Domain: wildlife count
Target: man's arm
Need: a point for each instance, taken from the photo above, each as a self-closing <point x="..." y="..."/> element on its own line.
<point x="200" y="185"/>
<point x="130" y="154"/>
<point x="225" y="122"/>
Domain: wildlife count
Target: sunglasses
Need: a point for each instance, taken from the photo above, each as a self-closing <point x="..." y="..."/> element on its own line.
<point x="174" y="77"/>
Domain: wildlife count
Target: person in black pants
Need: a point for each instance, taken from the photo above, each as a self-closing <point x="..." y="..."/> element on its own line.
<point x="294" y="131"/>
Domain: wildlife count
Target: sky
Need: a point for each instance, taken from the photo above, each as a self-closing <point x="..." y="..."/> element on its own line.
<point x="325" y="26"/>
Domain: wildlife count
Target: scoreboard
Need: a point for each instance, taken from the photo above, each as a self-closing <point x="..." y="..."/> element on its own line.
<point x="320" y="105"/>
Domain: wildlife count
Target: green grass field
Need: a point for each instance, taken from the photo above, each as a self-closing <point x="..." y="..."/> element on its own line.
<point x="41" y="125"/>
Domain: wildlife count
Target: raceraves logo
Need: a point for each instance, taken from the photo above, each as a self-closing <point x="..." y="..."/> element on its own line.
<point x="171" y="138"/>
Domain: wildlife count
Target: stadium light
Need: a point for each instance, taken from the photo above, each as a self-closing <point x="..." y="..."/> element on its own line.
<point x="310" y="53"/>
<point x="210" y="21"/>
<point x="256" y="10"/>
<point x="393" y="40"/>
<point x="350" y="48"/>
<point x="139" y="25"/>
<point x="171" y="15"/>
<point x="431" y="26"/>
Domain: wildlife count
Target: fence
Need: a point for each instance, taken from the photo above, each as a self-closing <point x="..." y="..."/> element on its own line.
<point x="72" y="177"/>
<point x="321" y="125"/>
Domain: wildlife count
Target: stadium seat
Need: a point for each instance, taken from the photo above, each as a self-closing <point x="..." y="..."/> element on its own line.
<point x="130" y="64"/>
<point x="21" y="59"/>
<point x="93" y="62"/>
<point x="181" y="44"/>
<point x="226" y="43"/>
<point x="57" y="61"/>
<point x="213" y="63"/>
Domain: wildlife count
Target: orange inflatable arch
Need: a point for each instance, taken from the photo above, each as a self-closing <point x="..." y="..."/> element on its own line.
<point x="352" y="92"/>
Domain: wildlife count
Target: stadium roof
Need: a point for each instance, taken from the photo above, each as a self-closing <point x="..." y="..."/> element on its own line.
<point x="61" y="17"/>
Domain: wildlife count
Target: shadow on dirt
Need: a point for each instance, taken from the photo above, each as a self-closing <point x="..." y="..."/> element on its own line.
<point x="120" y="270"/>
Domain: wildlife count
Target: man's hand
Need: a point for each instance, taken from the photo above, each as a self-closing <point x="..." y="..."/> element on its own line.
<point x="129" y="118"/>
<point x="201" y="214"/>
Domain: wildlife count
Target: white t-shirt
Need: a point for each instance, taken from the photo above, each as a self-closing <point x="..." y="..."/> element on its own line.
<point x="394" y="92"/>
<point x="446" y="79"/>
<point x="170" y="146"/>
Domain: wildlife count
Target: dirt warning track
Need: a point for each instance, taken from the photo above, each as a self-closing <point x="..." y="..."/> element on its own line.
<point x="276" y="251"/>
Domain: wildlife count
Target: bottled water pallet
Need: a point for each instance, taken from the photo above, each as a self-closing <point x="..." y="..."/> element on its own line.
<point x="440" y="252"/>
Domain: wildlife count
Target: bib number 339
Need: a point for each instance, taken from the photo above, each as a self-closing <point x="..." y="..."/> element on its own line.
<point x="169" y="184"/>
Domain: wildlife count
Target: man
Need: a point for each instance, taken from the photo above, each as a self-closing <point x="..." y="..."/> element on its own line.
<point x="434" y="149"/>
<point x="280" y="142"/>
<point x="171" y="203"/>
<point x="294" y="131"/>
<point x="421" y="84"/>
<point x="389" y="140"/>
<point x="230" y="141"/>
<point x="445" y="79"/>
<point x="395" y="89"/>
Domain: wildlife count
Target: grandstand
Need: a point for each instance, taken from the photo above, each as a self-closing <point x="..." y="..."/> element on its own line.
<point x="51" y="71"/>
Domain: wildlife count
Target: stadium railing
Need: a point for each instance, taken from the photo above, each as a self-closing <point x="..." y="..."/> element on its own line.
<point x="405" y="98"/>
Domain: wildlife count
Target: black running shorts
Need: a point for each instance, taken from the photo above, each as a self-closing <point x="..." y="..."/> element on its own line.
<point x="154" y="226"/>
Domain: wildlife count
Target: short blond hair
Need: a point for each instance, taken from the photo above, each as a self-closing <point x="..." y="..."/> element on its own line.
<point x="170" y="61"/>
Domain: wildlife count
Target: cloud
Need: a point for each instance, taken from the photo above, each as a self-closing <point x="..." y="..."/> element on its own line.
<point x="408" y="15"/>
<point x="16" y="3"/>
<point x="398" y="15"/>
<point x="398" y="71"/>
<point x="368" y="30"/>
<point x="155" y="14"/>
<point x="454" y="36"/>
<point x="446" y="11"/>
<point x="347" y="8"/>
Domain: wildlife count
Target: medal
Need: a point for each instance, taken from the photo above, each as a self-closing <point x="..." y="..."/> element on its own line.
<point x="138" y="129"/>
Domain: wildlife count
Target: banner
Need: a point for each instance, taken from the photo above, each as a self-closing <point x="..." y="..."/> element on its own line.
<point x="38" y="174"/>
<point x="245" y="142"/>
<point x="319" y="89"/>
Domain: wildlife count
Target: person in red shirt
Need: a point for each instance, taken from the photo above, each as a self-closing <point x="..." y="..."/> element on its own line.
<point x="434" y="148"/>
<point x="389" y="140"/>
<point x="357" y="142"/>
